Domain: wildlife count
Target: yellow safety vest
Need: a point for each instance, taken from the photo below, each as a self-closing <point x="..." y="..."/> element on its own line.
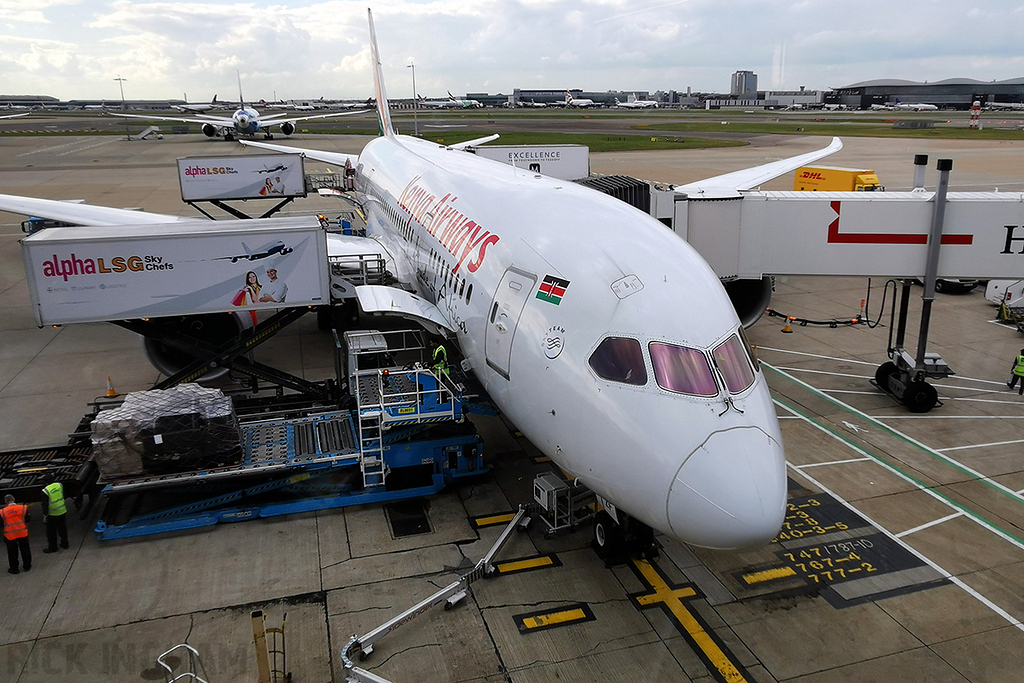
<point x="14" y="521"/>
<point x="55" y="492"/>
<point x="440" y="359"/>
<point x="1018" y="369"/>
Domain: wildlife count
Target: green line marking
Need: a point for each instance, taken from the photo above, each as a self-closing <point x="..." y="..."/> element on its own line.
<point x="879" y="459"/>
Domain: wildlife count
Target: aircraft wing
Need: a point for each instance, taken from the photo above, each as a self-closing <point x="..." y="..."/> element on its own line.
<point x="331" y="157"/>
<point x="474" y="143"/>
<point x="225" y="121"/>
<point x="731" y="184"/>
<point x="392" y="301"/>
<point x="294" y="119"/>
<point x="81" y="214"/>
<point x="14" y="116"/>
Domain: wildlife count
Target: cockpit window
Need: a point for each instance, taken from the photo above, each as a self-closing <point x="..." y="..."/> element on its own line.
<point x="620" y="359"/>
<point x="731" y="358"/>
<point x="683" y="370"/>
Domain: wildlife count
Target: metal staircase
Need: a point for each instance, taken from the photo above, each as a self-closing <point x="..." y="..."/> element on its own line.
<point x="371" y="446"/>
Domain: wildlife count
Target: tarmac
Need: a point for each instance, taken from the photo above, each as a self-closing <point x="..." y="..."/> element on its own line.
<point x="902" y="557"/>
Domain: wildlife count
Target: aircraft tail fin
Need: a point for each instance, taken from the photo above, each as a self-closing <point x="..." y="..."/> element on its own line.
<point x="383" y="113"/>
<point x="241" y="100"/>
<point x="248" y="251"/>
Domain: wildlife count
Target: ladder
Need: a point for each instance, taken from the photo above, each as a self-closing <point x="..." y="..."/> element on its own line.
<point x="371" y="446"/>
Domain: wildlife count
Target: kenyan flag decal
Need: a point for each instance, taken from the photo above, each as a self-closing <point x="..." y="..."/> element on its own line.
<point x="552" y="289"/>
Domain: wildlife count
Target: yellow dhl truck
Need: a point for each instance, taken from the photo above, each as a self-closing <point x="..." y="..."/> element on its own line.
<point x="834" y="179"/>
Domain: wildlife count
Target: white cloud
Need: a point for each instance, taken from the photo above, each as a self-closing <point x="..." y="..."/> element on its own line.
<point x="311" y="48"/>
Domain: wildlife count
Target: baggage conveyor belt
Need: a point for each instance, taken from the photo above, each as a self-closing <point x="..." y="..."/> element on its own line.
<point x="269" y="447"/>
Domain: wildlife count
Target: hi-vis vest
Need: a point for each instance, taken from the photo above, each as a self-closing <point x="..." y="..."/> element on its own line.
<point x="1018" y="368"/>
<point x="440" y="359"/>
<point x="14" y="521"/>
<point x="55" y="492"/>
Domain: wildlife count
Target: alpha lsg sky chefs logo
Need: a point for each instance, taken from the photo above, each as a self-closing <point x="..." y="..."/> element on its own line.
<point x="65" y="268"/>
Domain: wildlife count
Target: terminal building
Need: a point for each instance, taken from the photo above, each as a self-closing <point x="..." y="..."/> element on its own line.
<point x="952" y="93"/>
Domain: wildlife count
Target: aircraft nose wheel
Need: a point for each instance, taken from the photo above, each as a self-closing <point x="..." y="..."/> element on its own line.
<point x="609" y="541"/>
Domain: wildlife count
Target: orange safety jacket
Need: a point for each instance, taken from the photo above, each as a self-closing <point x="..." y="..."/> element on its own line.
<point x="14" y="521"/>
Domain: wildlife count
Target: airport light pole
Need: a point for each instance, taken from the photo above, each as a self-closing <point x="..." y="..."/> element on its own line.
<point x="415" y="104"/>
<point x="120" y="84"/>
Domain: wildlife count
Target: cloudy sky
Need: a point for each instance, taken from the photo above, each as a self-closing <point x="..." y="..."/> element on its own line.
<point x="305" y="49"/>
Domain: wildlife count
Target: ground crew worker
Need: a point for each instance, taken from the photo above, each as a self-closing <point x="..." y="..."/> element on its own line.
<point x="15" y="518"/>
<point x="55" y="508"/>
<point x="1018" y="373"/>
<point x="440" y="358"/>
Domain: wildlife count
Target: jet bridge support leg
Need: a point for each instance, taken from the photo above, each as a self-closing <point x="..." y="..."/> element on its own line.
<point x="903" y="377"/>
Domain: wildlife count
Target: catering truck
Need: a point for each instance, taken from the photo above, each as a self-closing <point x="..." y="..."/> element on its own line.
<point x="835" y="179"/>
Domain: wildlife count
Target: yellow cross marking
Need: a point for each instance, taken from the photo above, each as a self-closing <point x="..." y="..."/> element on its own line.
<point x="672" y="598"/>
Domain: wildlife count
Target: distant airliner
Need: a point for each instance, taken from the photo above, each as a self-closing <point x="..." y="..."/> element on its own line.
<point x="636" y="104"/>
<point x="917" y="106"/>
<point x="581" y="103"/>
<point x="198" y="106"/>
<point x="244" y="122"/>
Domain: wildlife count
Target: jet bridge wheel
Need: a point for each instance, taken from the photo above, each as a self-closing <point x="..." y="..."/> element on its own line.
<point x="920" y="397"/>
<point x="883" y="373"/>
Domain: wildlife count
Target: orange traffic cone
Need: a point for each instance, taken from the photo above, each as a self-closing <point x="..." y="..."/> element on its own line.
<point x="787" y="329"/>
<point x="110" y="388"/>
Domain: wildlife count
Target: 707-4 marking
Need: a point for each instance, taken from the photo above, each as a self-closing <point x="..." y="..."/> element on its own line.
<point x="826" y="567"/>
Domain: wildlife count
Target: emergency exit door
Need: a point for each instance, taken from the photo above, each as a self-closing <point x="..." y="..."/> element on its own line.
<point x="510" y="297"/>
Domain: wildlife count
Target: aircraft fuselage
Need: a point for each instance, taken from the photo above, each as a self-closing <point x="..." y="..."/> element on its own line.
<point x="535" y="287"/>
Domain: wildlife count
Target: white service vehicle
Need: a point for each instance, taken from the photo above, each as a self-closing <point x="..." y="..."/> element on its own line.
<point x="1010" y="292"/>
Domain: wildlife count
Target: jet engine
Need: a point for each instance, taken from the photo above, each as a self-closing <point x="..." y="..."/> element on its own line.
<point x="209" y="130"/>
<point x="209" y="328"/>
<point x="287" y="127"/>
<point x="750" y="298"/>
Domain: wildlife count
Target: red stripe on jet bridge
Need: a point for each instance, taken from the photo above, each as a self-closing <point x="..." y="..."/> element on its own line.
<point x="835" y="237"/>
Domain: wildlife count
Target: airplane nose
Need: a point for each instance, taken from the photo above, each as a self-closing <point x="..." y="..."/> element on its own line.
<point x="731" y="492"/>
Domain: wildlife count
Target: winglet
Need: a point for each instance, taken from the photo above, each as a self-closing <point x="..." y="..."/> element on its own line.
<point x="378" y="81"/>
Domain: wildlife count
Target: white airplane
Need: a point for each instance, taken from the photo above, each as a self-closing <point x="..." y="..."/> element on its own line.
<point x="465" y="104"/>
<point x="1004" y="106"/>
<point x="451" y="103"/>
<point x="244" y="122"/>
<point x="198" y="106"/>
<point x="917" y="106"/>
<point x="605" y="338"/>
<point x="581" y="103"/>
<point x="636" y="104"/>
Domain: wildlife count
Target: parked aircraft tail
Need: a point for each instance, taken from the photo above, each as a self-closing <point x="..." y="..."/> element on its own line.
<point x="383" y="113"/>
